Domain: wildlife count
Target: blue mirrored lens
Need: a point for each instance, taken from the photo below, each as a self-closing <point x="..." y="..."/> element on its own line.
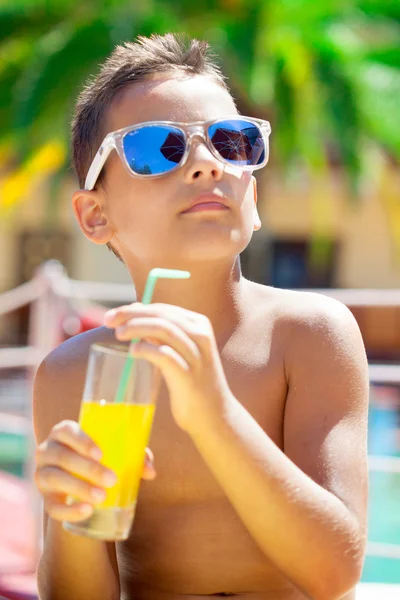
<point x="238" y="142"/>
<point x="154" y="149"/>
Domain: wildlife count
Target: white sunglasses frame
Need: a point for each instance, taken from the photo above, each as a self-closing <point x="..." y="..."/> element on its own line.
<point x="114" y="141"/>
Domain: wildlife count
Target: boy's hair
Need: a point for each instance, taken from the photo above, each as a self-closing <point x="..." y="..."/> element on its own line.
<point x="128" y="63"/>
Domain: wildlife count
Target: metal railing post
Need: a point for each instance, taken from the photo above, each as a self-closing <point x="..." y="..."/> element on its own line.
<point x="44" y="335"/>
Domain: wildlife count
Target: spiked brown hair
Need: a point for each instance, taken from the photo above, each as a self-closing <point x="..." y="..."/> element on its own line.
<point x="127" y="64"/>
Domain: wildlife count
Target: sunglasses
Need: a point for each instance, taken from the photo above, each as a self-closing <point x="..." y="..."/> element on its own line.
<point x="156" y="148"/>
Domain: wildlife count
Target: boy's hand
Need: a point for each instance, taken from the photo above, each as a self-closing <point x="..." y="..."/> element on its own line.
<point x="182" y="344"/>
<point x="68" y="463"/>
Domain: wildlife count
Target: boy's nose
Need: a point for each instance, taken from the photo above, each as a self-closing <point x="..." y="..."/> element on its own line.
<point x="201" y="163"/>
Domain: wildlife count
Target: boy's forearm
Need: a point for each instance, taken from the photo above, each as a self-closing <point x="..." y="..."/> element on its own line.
<point x="304" y="529"/>
<point x="75" y="567"/>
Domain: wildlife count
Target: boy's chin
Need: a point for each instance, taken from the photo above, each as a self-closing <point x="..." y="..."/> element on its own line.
<point x="180" y="254"/>
<point x="211" y="252"/>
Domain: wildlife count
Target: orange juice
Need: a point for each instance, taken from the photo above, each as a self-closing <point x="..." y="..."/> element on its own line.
<point x="122" y="432"/>
<point x="120" y="424"/>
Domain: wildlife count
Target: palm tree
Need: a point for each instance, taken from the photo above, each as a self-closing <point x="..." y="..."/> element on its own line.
<point x="328" y="76"/>
<point x="47" y="49"/>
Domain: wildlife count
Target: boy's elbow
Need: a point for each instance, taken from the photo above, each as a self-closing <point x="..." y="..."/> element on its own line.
<point x="338" y="581"/>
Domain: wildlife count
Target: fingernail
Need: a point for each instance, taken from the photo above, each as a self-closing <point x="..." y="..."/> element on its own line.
<point x="86" y="509"/>
<point x="110" y="313"/>
<point x="98" y="495"/>
<point x="96" y="453"/>
<point x="109" y="479"/>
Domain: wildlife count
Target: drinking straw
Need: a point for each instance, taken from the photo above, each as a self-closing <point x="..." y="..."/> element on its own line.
<point x="152" y="278"/>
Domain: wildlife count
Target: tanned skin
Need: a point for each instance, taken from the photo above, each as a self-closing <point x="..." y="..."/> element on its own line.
<point x="259" y="482"/>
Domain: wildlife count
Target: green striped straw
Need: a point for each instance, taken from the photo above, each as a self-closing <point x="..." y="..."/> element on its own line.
<point x="147" y="296"/>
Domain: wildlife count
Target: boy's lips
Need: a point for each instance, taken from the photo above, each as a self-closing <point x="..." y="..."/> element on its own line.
<point x="207" y="201"/>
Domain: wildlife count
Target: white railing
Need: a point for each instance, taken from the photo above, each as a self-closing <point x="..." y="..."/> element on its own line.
<point x="50" y="293"/>
<point x="361" y="297"/>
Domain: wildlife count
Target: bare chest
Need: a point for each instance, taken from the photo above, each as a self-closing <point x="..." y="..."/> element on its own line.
<point x="257" y="381"/>
<point x="186" y="536"/>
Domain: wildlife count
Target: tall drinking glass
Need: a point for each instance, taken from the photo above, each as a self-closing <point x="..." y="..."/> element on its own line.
<point x="121" y="428"/>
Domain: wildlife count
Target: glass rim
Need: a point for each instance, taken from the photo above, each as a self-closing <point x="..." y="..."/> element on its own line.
<point x="115" y="349"/>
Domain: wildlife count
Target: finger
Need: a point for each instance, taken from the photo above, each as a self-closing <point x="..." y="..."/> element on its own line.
<point x="120" y="315"/>
<point x="197" y="326"/>
<point x="117" y="316"/>
<point x="57" y="455"/>
<point x="163" y="331"/>
<point x="149" y="472"/>
<point x="70" y="434"/>
<point x="149" y="456"/>
<point x="57" y="509"/>
<point x="52" y="480"/>
<point x="170" y="363"/>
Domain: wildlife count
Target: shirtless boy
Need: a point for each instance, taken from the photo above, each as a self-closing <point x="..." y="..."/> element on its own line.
<point x="259" y="488"/>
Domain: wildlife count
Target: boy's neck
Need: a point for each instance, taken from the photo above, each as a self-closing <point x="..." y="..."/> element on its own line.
<point x="214" y="290"/>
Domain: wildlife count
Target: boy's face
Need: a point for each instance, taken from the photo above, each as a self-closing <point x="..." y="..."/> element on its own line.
<point x="143" y="218"/>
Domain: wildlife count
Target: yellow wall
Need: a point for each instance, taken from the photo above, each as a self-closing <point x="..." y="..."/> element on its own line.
<point x="367" y="257"/>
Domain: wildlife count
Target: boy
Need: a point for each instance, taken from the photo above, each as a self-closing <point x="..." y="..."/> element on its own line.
<point x="260" y="431"/>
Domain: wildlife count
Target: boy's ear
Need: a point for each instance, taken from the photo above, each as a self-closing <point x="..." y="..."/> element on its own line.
<point x="87" y="207"/>
<point x="257" y="221"/>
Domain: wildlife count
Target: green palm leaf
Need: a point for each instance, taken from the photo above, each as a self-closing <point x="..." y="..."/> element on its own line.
<point x="49" y="85"/>
<point x="379" y="96"/>
<point x="311" y="67"/>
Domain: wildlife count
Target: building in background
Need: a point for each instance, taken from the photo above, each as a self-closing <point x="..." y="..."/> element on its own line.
<point x="363" y="248"/>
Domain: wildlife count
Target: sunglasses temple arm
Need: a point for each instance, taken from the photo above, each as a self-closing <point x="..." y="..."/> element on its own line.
<point x="98" y="163"/>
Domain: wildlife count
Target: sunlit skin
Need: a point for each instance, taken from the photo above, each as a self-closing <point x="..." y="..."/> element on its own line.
<point x="259" y="436"/>
<point x="143" y="218"/>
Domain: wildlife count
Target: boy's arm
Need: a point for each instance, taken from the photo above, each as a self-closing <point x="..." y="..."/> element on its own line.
<point x="306" y="506"/>
<point x="76" y="567"/>
<point x="71" y="566"/>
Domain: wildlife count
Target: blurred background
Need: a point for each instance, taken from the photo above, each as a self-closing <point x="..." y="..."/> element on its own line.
<point x="327" y="77"/>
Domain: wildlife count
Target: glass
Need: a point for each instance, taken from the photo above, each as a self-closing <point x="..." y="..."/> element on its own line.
<point x="121" y="430"/>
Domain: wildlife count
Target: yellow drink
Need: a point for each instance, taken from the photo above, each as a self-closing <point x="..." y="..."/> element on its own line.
<point x="122" y="432"/>
<point x="120" y="424"/>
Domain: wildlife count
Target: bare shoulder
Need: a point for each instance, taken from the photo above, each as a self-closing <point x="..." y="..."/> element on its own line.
<point x="306" y="318"/>
<point x="59" y="381"/>
<point x="313" y="309"/>
<point x="297" y="305"/>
